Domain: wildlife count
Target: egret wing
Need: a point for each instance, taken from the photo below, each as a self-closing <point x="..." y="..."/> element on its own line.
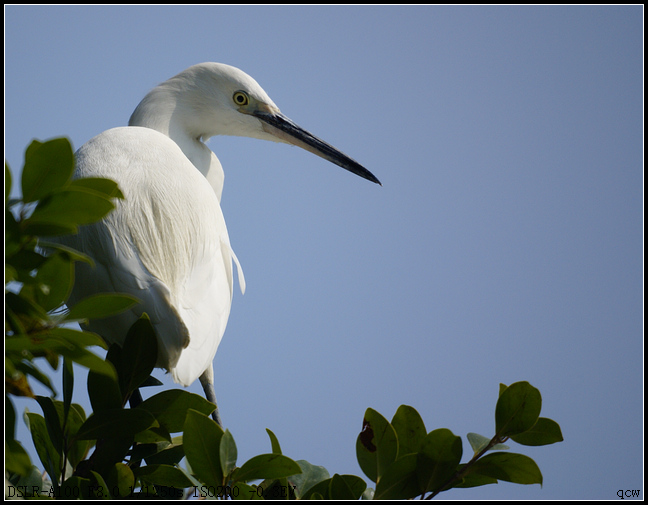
<point x="165" y="243"/>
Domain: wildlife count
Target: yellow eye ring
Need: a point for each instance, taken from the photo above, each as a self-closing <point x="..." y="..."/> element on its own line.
<point x="240" y="98"/>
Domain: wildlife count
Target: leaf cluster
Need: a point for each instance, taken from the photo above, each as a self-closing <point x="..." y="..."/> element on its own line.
<point x="121" y="452"/>
<point x="135" y="453"/>
<point x="405" y="461"/>
<point x="39" y="275"/>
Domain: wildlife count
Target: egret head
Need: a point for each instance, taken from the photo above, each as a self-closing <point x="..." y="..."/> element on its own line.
<point x="211" y="99"/>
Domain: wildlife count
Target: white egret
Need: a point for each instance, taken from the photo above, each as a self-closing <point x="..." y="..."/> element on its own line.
<point x="166" y="243"/>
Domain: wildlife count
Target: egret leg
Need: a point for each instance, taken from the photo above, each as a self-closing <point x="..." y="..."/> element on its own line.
<point x="207" y="381"/>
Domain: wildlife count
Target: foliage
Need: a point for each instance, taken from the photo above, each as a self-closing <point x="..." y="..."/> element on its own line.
<point x="132" y="452"/>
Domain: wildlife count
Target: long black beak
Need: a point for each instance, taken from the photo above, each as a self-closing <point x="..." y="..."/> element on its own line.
<point x="280" y="126"/>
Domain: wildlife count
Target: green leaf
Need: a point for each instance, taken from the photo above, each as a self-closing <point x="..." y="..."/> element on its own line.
<point x="78" y="487"/>
<point x="103" y="390"/>
<point x="348" y="486"/>
<point x="154" y="435"/>
<point x="42" y="229"/>
<point x="35" y="345"/>
<point x="115" y="423"/>
<point x="478" y="442"/>
<point x="517" y="409"/>
<point x="368" y="494"/>
<point x="438" y="459"/>
<point x="474" y="480"/>
<point x="167" y="454"/>
<point x="105" y="186"/>
<point x="400" y="481"/>
<point x="109" y="451"/>
<point x="510" y="467"/>
<point x="70" y="343"/>
<point x="72" y="206"/>
<point x="266" y="466"/>
<point x="101" y="305"/>
<point x="10" y="274"/>
<point x="53" y="421"/>
<point x="120" y="481"/>
<point x="376" y="446"/>
<point x="544" y="432"/>
<point x="276" y="489"/>
<point x="87" y="359"/>
<point x="99" y="488"/>
<point x="16" y="458"/>
<point x="48" y="166"/>
<point x="77" y="449"/>
<point x="68" y="386"/>
<point x="228" y="453"/>
<point x="309" y="476"/>
<point x="145" y="451"/>
<point x="25" y="261"/>
<point x="138" y="356"/>
<point x="163" y="475"/>
<point x="27" y="486"/>
<point x="19" y="305"/>
<point x="170" y="407"/>
<point x="70" y="253"/>
<point x="47" y="453"/>
<point x="242" y="491"/>
<point x="201" y="443"/>
<point x="409" y="428"/>
<point x="276" y="448"/>
<point x="76" y="338"/>
<point x="54" y="281"/>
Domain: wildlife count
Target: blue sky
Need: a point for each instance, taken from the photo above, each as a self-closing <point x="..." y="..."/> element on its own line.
<point x="506" y="243"/>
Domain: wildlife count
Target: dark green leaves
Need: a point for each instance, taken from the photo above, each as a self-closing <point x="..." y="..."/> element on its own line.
<point x="66" y="209"/>
<point x="409" y="428"/>
<point x="516" y="468"/>
<point x="201" y="441"/>
<point x="267" y="466"/>
<point x="212" y="455"/>
<point x="115" y="423"/>
<point x="338" y="487"/>
<point x="121" y="452"/>
<point x="228" y="453"/>
<point x="310" y="476"/>
<point x="138" y="356"/>
<point x="99" y="306"/>
<point x="276" y="448"/>
<point x="170" y="407"/>
<point x="54" y="281"/>
<point x="438" y="459"/>
<point x="63" y="204"/>
<point x="43" y="273"/>
<point x="48" y="167"/>
<point x="404" y="461"/>
<point x="517" y="410"/>
<point x="544" y="432"/>
<point x="376" y="446"/>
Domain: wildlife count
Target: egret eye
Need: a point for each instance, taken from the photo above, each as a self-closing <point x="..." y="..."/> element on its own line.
<point x="241" y="98"/>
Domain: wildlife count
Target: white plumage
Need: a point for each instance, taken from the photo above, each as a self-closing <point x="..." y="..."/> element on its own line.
<point x="166" y="243"/>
